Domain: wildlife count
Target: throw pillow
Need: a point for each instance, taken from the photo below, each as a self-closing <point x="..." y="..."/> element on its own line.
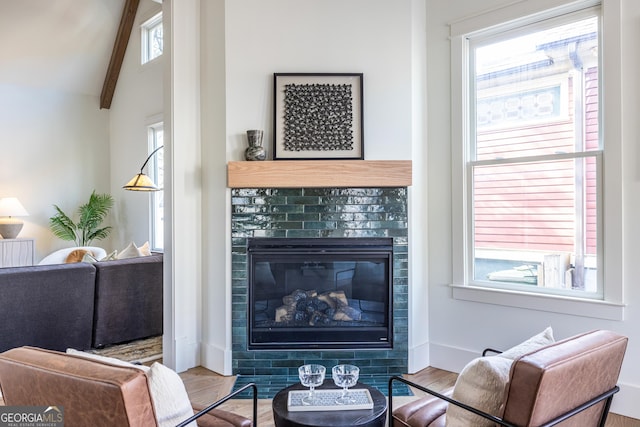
<point x="76" y="255"/>
<point x="482" y="384"/>
<point x="89" y="258"/>
<point x="131" y="251"/>
<point x="112" y="256"/>
<point x="169" y="396"/>
<point x="536" y="342"/>
<point x="145" y="250"/>
<point x="105" y="359"/>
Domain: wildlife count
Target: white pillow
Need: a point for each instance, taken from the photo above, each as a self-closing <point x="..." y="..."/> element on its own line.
<point x="89" y="258"/>
<point x="112" y="256"/>
<point x="482" y="384"/>
<point x="169" y="396"/>
<point x="131" y="251"/>
<point x="145" y="250"/>
<point x="110" y="360"/>
<point x="534" y="343"/>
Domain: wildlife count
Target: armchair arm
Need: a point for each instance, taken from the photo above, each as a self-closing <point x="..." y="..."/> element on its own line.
<point x="608" y="396"/>
<point x="254" y="391"/>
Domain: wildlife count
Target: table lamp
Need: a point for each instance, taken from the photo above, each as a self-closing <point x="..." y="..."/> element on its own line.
<point x="11" y="207"/>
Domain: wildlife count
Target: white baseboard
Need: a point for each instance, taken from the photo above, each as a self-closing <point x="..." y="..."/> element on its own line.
<point x="418" y="358"/>
<point x="217" y="359"/>
<point x="449" y="358"/>
<point x="187" y="354"/>
<point x="625" y="402"/>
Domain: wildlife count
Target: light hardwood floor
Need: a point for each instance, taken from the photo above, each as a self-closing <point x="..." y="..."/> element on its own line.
<point x="205" y="387"/>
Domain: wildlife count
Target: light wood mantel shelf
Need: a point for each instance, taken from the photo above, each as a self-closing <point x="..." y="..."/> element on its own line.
<point x="319" y="173"/>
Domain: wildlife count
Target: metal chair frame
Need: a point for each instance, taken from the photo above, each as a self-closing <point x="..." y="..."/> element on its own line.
<point x="254" y="391"/>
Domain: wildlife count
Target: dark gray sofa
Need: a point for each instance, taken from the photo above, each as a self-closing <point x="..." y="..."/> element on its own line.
<point x="128" y="303"/>
<point x="48" y="306"/>
<point x="81" y="305"/>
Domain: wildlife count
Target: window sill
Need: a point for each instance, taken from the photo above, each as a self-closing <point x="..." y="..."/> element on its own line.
<point x="552" y="303"/>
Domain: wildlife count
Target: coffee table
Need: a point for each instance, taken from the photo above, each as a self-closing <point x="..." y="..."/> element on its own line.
<point x="374" y="417"/>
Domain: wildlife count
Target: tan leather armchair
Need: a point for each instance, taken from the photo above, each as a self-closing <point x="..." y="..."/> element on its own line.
<point x="92" y="392"/>
<point x="572" y="380"/>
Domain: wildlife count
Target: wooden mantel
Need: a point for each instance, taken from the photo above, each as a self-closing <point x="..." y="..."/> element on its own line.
<point x="319" y="173"/>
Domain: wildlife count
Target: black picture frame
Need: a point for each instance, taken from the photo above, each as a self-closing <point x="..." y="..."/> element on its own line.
<point x="318" y="116"/>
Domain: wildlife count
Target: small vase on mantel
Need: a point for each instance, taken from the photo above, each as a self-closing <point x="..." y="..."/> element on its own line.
<point x="255" y="151"/>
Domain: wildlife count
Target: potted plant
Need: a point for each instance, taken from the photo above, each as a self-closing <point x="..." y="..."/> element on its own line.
<point x="88" y="226"/>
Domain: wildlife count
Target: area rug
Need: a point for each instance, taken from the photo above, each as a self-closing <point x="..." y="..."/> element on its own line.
<point x="145" y="351"/>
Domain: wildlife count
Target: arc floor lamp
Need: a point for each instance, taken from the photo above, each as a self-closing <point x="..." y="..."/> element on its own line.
<point x="141" y="181"/>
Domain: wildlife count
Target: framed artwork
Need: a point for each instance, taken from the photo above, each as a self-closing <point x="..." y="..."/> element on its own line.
<point x="317" y="116"/>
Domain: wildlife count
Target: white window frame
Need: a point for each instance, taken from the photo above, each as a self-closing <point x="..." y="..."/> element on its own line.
<point x="152" y="130"/>
<point x="611" y="306"/>
<point x="145" y="35"/>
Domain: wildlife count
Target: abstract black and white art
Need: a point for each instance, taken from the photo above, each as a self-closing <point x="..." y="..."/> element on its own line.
<point x="318" y="116"/>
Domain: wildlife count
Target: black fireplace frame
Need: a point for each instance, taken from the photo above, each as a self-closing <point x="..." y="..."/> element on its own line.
<point x="359" y="248"/>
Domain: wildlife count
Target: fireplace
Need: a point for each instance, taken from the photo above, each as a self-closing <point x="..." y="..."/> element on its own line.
<point x="353" y="214"/>
<point x="321" y="293"/>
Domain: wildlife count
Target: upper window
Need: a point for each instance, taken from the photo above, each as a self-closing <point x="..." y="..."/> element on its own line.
<point x="151" y="31"/>
<point x="156" y="173"/>
<point x="533" y="157"/>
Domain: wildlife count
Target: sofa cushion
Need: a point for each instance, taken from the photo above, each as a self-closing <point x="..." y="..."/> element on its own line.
<point x="128" y="302"/>
<point x="47" y="306"/>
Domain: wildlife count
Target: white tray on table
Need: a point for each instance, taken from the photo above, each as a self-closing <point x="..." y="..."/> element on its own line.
<point x="325" y="400"/>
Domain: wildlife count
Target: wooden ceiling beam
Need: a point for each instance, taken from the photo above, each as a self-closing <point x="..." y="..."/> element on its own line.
<point x="117" y="55"/>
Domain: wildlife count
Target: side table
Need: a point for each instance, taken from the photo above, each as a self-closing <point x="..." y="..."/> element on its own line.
<point x="16" y="252"/>
<point x="374" y="417"/>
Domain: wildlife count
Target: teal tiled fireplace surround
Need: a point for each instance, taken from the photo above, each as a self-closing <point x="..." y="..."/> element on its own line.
<point x="317" y="213"/>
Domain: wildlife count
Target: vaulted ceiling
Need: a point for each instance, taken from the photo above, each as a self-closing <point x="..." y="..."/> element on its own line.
<point x="67" y="45"/>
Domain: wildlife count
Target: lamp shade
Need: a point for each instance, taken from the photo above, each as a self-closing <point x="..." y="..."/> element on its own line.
<point x="141" y="182"/>
<point x="11" y="207"/>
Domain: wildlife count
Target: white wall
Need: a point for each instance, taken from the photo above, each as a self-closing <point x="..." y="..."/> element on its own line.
<point x="373" y="37"/>
<point x="459" y="330"/>
<point x="243" y="42"/>
<point x="55" y="150"/>
<point x="137" y="103"/>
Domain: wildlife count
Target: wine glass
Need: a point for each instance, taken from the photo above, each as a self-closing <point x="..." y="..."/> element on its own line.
<point x="345" y="376"/>
<point x="311" y="376"/>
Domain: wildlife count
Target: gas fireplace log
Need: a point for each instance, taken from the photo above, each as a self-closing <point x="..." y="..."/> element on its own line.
<point x="308" y="306"/>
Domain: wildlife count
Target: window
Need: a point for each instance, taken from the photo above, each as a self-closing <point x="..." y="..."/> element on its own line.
<point x="151" y="32"/>
<point x="530" y="156"/>
<point x="535" y="155"/>
<point x="156" y="173"/>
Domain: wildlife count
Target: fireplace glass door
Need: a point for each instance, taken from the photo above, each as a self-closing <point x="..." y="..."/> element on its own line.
<point x="320" y="293"/>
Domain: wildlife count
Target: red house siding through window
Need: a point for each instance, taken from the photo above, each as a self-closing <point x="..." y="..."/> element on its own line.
<point x="532" y="206"/>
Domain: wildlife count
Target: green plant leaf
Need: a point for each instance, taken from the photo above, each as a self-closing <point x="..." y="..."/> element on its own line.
<point x="91" y="214"/>
<point x="62" y="226"/>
